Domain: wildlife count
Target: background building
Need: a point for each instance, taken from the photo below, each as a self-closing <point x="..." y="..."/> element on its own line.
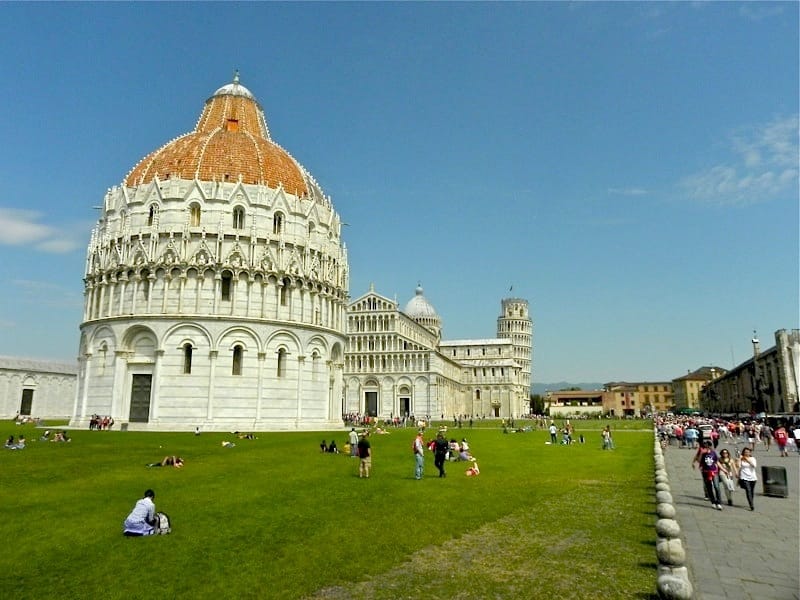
<point x="766" y="383"/>
<point x="36" y="388"/>
<point x="216" y="285"/>
<point x="396" y="363"/>
<point x="688" y="389"/>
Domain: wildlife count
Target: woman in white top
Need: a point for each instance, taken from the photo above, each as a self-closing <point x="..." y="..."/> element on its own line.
<point x="747" y="474"/>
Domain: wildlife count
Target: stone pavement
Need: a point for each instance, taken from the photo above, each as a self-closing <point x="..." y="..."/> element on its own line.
<point x="737" y="554"/>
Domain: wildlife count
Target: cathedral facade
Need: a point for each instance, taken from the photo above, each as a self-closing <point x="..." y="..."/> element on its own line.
<point x="216" y="286"/>
<point x="397" y="365"/>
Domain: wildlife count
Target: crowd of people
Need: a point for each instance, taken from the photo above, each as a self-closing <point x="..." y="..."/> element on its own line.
<point x="98" y="423"/>
<point x="691" y="431"/>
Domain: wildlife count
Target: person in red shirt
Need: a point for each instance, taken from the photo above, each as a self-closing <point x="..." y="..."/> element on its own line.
<point x="781" y="438"/>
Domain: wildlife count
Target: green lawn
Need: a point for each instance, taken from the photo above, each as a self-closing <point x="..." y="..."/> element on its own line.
<point x="275" y="518"/>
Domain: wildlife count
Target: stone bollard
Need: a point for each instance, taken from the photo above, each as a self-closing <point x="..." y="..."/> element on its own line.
<point x="666" y="510"/>
<point x="670" y="552"/>
<point x="663" y="497"/>
<point x="671" y="587"/>
<point x="662" y="487"/>
<point x="668" y="528"/>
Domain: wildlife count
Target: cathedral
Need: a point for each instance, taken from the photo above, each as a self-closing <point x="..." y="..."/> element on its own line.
<point x="216" y="296"/>
<point x="396" y="363"/>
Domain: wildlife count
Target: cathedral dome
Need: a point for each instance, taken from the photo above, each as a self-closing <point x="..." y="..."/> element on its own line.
<point x="230" y="141"/>
<point x="419" y="307"/>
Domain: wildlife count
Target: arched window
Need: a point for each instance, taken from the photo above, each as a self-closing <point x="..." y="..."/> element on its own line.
<point x="281" y="362"/>
<point x="145" y="275"/>
<point x="227" y="278"/>
<point x="284" y="292"/>
<point x="311" y="228"/>
<point x="477" y="394"/>
<point x="238" y="218"/>
<point x="187" y="359"/>
<point x="237" y="360"/>
<point x="194" y="215"/>
<point x="277" y="223"/>
<point x="151" y="215"/>
<point x="315" y="366"/>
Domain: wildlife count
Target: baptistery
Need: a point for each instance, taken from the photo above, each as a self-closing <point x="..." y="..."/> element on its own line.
<point x="216" y="284"/>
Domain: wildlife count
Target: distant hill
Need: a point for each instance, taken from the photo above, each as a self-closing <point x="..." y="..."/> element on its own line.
<point x="541" y="388"/>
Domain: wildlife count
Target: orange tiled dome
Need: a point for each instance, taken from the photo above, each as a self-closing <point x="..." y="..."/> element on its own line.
<point x="230" y="140"/>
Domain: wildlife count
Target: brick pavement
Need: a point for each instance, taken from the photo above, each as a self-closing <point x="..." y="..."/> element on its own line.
<point x="736" y="554"/>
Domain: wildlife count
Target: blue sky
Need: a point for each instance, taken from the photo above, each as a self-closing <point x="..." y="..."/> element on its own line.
<point x="630" y="168"/>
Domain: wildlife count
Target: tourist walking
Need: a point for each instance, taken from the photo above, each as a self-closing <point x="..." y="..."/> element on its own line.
<point x="353" y="439"/>
<point x="728" y="474"/>
<point x="766" y="435"/>
<point x="747" y="475"/>
<point x="365" y="456"/>
<point x="418" y="447"/>
<point x="608" y="442"/>
<point x="553" y="434"/>
<point x="440" y="449"/>
<point x="781" y="439"/>
<point x="709" y="469"/>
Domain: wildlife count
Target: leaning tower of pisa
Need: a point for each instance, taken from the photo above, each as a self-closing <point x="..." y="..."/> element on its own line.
<point x="514" y="323"/>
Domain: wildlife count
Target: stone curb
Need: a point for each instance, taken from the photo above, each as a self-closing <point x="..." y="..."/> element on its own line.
<point x="673" y="576"/>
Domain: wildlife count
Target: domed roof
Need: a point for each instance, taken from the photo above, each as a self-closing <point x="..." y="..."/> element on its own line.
<point x="231" y="140"/>
<point x="419" y="307"/>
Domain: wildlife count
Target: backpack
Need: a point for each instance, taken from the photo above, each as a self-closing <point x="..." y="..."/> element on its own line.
<point x="162" y="524"/>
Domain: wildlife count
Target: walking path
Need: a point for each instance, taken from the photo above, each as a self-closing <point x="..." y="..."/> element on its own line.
<point x="738" y="554"/>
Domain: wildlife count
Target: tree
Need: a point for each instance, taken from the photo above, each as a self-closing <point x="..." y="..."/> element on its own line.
<point x="537" y="404"/>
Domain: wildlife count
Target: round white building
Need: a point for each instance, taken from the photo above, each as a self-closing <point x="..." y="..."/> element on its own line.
<point x="216" y="286"/>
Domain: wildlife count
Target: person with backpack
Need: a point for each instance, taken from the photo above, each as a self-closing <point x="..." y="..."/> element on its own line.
<point x="142" y="519"/>
<point x="709" y="467"/>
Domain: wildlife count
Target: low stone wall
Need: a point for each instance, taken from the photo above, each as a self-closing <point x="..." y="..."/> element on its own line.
<point x="673" y="576"/>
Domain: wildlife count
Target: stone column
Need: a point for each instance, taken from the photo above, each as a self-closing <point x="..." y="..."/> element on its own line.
<point x="212" y="357"/>
<point x="301" y="363"/>
<point x="155" y="387"/>
<point x="118" y="386"/>
<point x="262" y="356"/>
<point x="87" y="365"/>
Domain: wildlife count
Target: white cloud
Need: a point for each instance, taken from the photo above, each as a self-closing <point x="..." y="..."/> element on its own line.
<point x="764" y="164"/>
<point x="760" y="11"/>
<point x="632" y="191"/>
<point x="47" y="293"/>
<point x="22" y="227"/>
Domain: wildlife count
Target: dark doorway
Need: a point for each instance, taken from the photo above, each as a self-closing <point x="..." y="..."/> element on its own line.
<point x="27" y="402"/>
<point x="496" y="411"/>
<point x="371" y="403"/>
<point x="405" y="406"/>
<point x="140" y="398"/>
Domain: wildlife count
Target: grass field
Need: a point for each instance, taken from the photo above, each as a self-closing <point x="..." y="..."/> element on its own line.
<point x="275" y="518"/>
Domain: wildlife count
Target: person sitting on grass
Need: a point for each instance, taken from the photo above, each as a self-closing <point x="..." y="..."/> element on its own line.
<point x="323" y="446"/>
<point x="10" y="442"/>
<point x="142" y="519"/>
<point x="332" y="448"/>
<point x="169" y="461"/>
<point x="45" y="436"/>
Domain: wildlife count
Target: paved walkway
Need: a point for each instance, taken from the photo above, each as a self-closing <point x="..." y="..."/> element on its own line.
<point x="738" y="554"/>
